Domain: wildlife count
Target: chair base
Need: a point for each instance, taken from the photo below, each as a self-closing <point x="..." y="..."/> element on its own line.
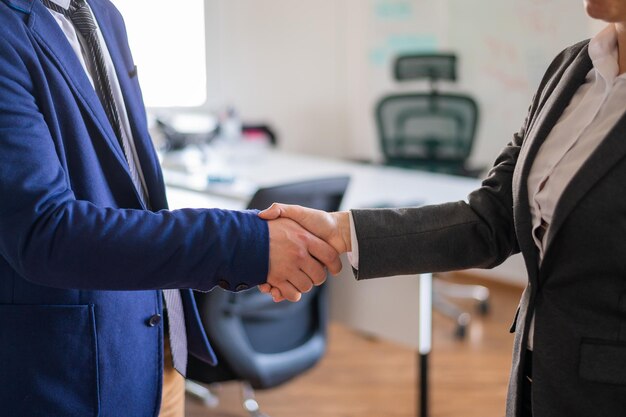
<point x="443" y="290"/>
<point x="210" y="400"/>
<point x="250" y="403"/>
<point x="202" y="393"/>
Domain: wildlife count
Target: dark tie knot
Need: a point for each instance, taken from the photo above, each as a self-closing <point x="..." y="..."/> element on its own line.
<point x="76" y="4"/>
<point x="81" y="17"/>
<point x="78" y="13"/>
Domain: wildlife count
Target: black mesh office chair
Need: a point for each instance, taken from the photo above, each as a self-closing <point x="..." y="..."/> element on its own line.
<point x="259" y="342"/>
<point x="427" y="130"/>
<point x="432" y="131"/>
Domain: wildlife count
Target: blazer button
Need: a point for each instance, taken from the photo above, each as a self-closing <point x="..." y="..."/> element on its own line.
<point x="154" y="320"/>
<point x="241" y="287"/>
<point x="223" y="284"/>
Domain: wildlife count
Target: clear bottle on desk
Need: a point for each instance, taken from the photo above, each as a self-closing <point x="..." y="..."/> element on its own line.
<point x="223" y="150"/>
<point x="231" y="126"/>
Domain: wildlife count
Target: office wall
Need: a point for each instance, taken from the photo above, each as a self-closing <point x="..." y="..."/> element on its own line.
<point x="316" y="69"/>
<point x="283" y="61"/>
<point x="311" y="68"/>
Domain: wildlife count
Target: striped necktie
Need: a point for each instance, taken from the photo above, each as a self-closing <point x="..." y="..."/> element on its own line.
<point x="81" y="17"/>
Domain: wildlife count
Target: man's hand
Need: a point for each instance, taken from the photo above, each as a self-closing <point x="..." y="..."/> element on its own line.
<point x="333" y="228"/>
<point x="297" y="260"/>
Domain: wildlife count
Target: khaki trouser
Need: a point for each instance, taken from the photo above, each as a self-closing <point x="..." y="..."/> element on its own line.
<point x="173" y="399"/>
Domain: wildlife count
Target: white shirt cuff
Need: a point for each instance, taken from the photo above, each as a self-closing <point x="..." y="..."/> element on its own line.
<point x="353" y="256"/>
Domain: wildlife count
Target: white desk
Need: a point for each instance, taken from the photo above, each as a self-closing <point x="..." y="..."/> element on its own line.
<point x="370" y="185"/>
<point x="385" y="308"/>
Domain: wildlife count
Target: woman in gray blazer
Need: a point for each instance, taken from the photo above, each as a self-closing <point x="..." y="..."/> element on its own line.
<point x="555" y="194"/>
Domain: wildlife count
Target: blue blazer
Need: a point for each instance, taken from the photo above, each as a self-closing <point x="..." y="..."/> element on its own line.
<point x="81" y="260"/>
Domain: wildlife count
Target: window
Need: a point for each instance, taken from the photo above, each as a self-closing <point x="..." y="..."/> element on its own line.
<point x="167" y="39"/>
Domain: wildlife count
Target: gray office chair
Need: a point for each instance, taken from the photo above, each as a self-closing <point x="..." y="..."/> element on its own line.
<point x="432" y="131"/>
<point x="258" y="342"/>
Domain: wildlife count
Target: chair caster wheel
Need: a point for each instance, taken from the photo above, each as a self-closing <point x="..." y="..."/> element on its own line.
<point x="484" y="307"/>
<point x="460" y="332"/>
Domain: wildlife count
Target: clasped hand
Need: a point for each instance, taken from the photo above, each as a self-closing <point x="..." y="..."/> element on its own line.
<point x="304" y="244"/>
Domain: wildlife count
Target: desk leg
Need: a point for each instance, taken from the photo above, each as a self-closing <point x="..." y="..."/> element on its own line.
<point x="425" y="339"/>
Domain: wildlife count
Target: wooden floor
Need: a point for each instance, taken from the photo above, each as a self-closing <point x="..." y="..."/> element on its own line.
<point x="363" y="377"/>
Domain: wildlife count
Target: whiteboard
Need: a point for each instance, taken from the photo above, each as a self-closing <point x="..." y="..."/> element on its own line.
<point x="504" y="48"/>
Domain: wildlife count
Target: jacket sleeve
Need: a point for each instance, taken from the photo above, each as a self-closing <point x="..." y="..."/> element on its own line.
<point x="51" y="238"/>
<point x="479" y="233"/>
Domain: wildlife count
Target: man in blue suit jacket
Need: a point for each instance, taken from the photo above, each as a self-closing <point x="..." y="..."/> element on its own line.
<point x="82" y="257"/>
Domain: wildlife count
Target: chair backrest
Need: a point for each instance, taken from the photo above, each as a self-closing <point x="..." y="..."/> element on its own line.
<point x="322" y="194"/>
<point x="430" y="66"/>
<point x="255" y="339"/>
<point x="427" y="130"/>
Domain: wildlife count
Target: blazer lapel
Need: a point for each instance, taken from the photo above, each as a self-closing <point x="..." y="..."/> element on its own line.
<point x="135" y="108"/>
<point x="607" y="154"/>
<point x="557" y="95"/>
<point x="52" y="39"/>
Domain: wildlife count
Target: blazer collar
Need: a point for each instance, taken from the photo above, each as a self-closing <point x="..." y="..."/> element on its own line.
<point x="24" y="6"/>
<point x="52" y="39"/>
<point x="606" y="155"/>
<point x="553" y="100"/>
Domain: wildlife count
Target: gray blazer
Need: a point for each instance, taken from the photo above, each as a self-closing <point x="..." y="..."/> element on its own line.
<point x="578" y="293"/>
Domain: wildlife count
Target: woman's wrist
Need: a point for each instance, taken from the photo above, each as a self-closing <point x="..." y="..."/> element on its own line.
<point x="342" y="220"/>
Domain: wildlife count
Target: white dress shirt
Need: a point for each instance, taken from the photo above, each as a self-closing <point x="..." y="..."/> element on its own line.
<point x="80" y="48"/>
<point x="593" y="111"/>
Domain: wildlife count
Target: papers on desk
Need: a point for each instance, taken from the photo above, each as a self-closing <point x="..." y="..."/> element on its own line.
<point x="232" y="188"/>
<point x="206" y="170"/>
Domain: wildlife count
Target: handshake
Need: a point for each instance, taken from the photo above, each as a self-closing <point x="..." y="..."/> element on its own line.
<point x="304" y="244"/>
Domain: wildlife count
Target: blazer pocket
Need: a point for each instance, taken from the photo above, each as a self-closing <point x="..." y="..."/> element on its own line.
<point x="48" y="360"/>
<point x="603" y="361"/>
